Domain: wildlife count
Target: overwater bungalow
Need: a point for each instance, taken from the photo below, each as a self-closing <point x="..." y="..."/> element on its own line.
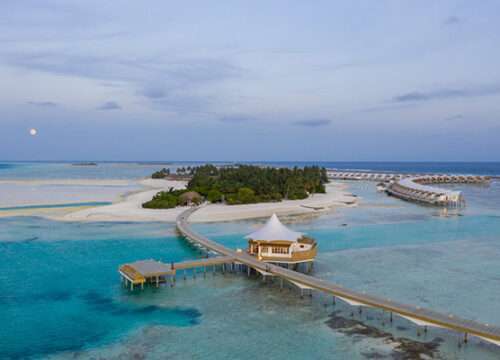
<point x="275" y="243"/>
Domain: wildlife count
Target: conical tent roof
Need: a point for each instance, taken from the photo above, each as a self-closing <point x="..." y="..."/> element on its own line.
<point x="274" y="230"/>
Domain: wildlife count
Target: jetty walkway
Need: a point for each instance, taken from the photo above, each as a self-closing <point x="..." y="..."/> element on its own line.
<point x="418" y="315"/>
<point x="417" y="187"/>
<point x="151" y="271"/>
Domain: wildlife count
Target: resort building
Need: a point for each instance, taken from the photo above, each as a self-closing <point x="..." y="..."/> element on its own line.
<point x="275" y="243"/>
<point x="417" y="189"/>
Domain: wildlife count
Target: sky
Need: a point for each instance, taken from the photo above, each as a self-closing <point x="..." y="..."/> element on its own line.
<point x="250" y="80"/>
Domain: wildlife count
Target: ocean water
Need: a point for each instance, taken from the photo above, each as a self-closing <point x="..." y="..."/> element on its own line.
<point x="132" y="170"/>
<point x="68" y="205"/>
<point x="61" y="296"/>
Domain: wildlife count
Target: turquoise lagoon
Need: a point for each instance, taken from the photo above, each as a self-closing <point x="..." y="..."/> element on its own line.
<point x="61" y="296"/>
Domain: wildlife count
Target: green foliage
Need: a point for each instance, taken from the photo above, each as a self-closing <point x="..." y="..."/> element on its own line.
<point x="164" y="199"/>
<point x="246" y="195"/>
<point x="244" y="184"/>
<point x="163" y="173"/>
<point x="241" y="184"/>
<point x="214" y="196"/>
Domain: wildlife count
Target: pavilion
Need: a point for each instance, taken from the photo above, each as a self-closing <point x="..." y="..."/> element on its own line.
<point x="275" y="243"/>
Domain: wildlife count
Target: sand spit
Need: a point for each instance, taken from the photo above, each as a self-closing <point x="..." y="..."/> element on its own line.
<point x="127" y="205"/>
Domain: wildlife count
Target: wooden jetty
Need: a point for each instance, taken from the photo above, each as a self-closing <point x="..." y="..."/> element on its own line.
<point x="417" y="187"/>
<point x="152" y="271"/>
<point x="430" y="178"/>
<point x="418" y="315"/>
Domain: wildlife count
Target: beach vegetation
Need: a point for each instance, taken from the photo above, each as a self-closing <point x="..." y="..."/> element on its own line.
<point x="161" y="174"/>
<point x="215" y="196"/>
<point x="242" y="184"/>
<point x="173" y="198"/>
<point x="245" y="184"/>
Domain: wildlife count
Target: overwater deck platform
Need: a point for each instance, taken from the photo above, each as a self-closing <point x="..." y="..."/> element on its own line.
<point x="153" y="271"/>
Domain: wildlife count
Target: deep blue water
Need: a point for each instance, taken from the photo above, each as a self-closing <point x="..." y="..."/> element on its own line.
<point x="127" y="170"/>
<point x="7" y="166"/>
<point x="61" y="290"/>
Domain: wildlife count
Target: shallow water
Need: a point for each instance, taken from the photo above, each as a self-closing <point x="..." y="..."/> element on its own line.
<point x="61" y="295"/>
<point x="55" y="206"/>
<point x="17" y="195"/>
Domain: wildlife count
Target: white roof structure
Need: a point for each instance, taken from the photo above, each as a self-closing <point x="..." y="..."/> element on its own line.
<point x="274" y="230"/>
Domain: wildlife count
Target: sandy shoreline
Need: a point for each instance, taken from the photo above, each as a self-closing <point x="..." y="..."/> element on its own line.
<point x="126" y="204"/>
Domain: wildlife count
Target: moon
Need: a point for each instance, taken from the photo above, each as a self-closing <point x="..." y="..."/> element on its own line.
<point x="33" y="132"/>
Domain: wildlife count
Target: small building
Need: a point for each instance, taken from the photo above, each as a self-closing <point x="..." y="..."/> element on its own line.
<point x="190" y="198"/>
<point x="275" y="243"/>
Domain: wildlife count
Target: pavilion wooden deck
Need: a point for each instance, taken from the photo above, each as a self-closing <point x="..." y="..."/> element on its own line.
<point x="152" y="271"/>
<point x="418" y="315"/>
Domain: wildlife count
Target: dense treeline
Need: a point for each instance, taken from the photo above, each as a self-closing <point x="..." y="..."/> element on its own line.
<point x="172" y="198"/>
<point x="242" y="184"/>
<point x="246" y="184"/>
<point x="163" y="173"/>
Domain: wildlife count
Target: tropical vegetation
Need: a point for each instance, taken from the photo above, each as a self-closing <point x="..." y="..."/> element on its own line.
<point x="173" y="198"/>
<point x="245" y="184"/>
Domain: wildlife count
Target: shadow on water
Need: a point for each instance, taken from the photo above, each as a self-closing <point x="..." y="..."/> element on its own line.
<point x="101" y="303"/>
<point x="105" y="320"/>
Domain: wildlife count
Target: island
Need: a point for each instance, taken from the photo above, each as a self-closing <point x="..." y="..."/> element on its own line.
<point x="84" y="164"/>
<point x="240" y="184"/>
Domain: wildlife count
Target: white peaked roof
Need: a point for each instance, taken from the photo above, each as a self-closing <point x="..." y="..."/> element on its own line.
<point x="274" y="230"/>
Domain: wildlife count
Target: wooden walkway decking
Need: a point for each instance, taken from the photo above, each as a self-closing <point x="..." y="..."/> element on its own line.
<point x="143" y="271"/>
<point x="417" y="314"/>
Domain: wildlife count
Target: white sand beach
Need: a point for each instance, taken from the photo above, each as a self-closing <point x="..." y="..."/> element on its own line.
<point x="127" y="197"/>
<point x="63" y="191"/>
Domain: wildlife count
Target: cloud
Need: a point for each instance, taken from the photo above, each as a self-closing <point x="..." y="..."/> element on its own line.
<point x="160" y="79"/>
<point x="312" y="122"/>
<point x="452" y="20"/>
<point x="109" y="105"/>
<point x="388" y="107"/>
<point x="42" y="103"/>
<point x="237" y="119"/>
<point x="441" y="94"/>
<point x="154" y="92"/>
<point x="454" y="117"/>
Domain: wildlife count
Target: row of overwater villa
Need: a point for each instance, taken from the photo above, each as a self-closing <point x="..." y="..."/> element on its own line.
<point x="416" y="188"/>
